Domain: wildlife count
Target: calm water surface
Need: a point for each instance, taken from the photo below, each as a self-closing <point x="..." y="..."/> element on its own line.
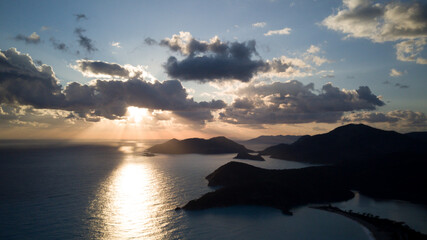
<point x="98" y="192"/>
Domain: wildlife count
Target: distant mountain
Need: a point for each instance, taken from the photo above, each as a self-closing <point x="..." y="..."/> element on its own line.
<point x="353" y="142"/>
<point x="272" y="140"/>
<point x="216" y="145"/>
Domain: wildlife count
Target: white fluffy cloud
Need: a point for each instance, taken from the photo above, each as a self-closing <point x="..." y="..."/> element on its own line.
<point x="259" y="24"/>
<point x="284" y="31"/>
<point x="395" y="73"/>
<point x="381" y="22"/>
<point x="410" y="50"/>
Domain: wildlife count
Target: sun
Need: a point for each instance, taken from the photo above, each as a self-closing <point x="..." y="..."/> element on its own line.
<point x="136" y="114"/>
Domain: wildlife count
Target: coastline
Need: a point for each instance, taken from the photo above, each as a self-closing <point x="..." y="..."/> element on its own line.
<point x="380" y="229"/>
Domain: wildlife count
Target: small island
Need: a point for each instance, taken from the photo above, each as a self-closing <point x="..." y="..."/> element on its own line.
<point x="247" y="156"/>
<point x="148" y="154"/>
<point x="216" y="145"/>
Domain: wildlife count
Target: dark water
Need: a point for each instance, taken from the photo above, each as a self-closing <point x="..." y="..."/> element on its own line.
<point x="54" y="190"/>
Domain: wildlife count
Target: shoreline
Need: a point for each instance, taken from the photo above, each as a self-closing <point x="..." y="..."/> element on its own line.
<point x="380" y="229"/>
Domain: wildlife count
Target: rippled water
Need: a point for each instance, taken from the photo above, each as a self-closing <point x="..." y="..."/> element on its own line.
<point x="100" y="193"/>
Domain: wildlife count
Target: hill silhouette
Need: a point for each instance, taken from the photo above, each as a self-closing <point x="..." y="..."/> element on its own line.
<point x="377" y="163"/>
<point x="352" y="142"/>
<point x="216" y="145"/>
<point x="244" y="184"/>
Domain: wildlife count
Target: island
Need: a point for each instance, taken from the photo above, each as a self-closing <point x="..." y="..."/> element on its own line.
<point x="216" y="145"/>
<point x="247" y="156"/>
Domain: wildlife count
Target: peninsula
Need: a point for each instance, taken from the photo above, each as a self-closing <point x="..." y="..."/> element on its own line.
<point x="381" y="229"/>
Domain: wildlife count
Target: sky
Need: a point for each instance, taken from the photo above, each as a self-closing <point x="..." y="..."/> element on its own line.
<point x="163" y="69"/>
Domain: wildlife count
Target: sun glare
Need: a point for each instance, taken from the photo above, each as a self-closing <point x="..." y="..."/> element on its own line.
<point x="136" y="114"/>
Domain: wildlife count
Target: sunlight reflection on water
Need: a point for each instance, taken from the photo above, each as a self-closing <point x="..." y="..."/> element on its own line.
<point x="129" y="202"/>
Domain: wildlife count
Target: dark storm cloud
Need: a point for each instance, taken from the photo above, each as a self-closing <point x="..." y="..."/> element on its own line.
<point x="34" y="38"/>
<point x="21" y="82"/>
<point x="84" y="41"/>
<point x="58" y="45"/>
<point x="110" y="99"/>
<point x="294" y="102"/>
<point x="101" y="68"/>
<point x="223" y="61"/>
<point x="243" y="103"/>
<point x="208" y="68"/>
<point x="80" y="17"/>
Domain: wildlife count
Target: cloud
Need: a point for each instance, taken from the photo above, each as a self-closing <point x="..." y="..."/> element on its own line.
<point x="21" y="82"/>
<point x="401" y="85"/>
<point x="285" y="67"/>
<point x="402" y="117"/>
<point x="326" y="74"/>
<point x="310" y="55"/>
<point x="313" y="49"/>
<point x="44" y="28"/>
<point x="116" y="44"/>
<point x="213" y="60"/>
<point x="84" y="41"/>
<point x="101" y="69"/>
<point x="93" y="68"/>
<point x="80" y="17"/>
<point x="318" y="60"/>
<point x="34" y="38"/>
<point x="284" y="31"/>
<point x="110" y="99"/>
<point x="382" y="22"/>
<point x="216" y="61"/>
<point x="13" y="116"/>
<point x="24" y="82"/>
<point x="409" y="51"/>
<point x="150" y="41"/>
<point x="58" y="45"/>
<point x="259" y="24"/>
<point x="395" y="73"/>
<point x="294" y="102"/>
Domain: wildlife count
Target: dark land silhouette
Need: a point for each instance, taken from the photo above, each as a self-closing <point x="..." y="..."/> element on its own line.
<point x="346" y="144"/>
<point x="272" y="140"/>
<point x="384" y="164"/>
<point x="216" y="145"/>
<point x="247" y="156"/>
<point x="381" y="228"/>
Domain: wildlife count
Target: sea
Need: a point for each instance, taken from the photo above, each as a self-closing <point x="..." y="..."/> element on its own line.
<point x="110" y="190"/>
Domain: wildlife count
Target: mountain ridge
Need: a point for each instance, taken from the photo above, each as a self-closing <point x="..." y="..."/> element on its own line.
<point x="351" y="142"/>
